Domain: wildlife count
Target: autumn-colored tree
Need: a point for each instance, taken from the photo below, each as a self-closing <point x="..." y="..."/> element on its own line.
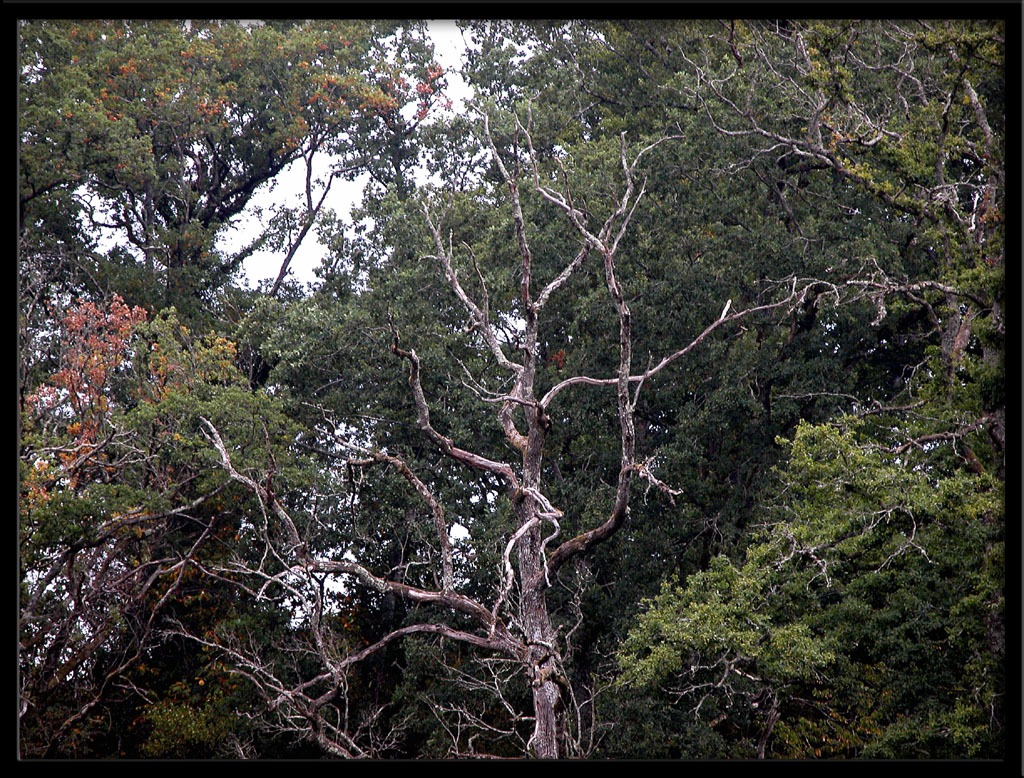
<point x="117" y="513"/>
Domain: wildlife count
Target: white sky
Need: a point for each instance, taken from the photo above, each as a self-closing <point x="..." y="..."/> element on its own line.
<point x="448" y="45"/>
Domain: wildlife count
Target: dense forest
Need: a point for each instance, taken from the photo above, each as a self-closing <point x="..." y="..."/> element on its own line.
<point x="650" y="407"/>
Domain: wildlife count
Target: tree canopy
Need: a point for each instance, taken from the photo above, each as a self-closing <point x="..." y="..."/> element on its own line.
<point x="652" y="407"/>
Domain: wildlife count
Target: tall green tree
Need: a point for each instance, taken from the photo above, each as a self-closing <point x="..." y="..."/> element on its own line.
<point x="143" y="142"/>
<point x="897" y="115"/>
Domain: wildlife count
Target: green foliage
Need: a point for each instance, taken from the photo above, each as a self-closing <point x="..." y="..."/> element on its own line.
<point x="876" y="577"/>
<point x="160" y="132"/>
<point x="181" y="730"/>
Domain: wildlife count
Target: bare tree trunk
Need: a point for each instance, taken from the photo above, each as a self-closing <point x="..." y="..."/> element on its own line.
<point x="542" y="653"/>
